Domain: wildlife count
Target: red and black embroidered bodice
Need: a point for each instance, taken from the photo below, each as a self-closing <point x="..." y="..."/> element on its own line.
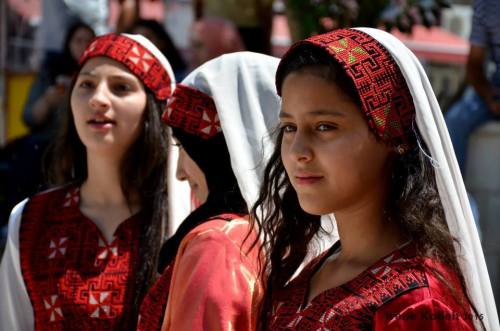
<point x="75" y="278"/>
<point x="397" y="293"/>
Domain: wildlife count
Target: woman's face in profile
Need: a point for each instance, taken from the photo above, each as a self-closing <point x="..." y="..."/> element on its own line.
<point x="188" y="170"/>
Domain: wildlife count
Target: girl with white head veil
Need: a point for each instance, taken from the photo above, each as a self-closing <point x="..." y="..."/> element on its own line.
<point x="221" y="116"/>
<point x="362" y="136"/>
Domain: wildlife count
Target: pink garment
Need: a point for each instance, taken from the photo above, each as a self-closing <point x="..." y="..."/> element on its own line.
<point x="212" y="37"/>
<point x="215" y="284"/>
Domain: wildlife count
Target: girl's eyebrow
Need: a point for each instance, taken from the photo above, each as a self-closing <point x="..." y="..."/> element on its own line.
<point x="122" y="75"/>
<point x="283" y="114"/>
<point x="319" y="112"/>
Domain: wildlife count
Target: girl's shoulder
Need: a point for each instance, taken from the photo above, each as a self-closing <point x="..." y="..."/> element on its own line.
<point x="32" y="208"/>
<point x="438" y="300"/>
<point x="394" y="275"/>
<point x="231" y="231"/>
<point x="399" y="287"/>
<point x="228" y="224"/>
<point x="439" y="303"/>
<point x="54" y="200"/>
<point x="57" y="193"/>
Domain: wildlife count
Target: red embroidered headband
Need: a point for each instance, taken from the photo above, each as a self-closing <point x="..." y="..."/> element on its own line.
<point x="140" y="56"/>
<point x="382" y="89"/>
<point x="193" y="112"/>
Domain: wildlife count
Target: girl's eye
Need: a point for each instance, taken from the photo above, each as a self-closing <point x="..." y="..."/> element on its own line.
<point x="177" y="145"/>
<point x="86" y="84"/>
<point x="325" y="127"/>
<point x="287" y="128"/>
<point x="122" y="88"/>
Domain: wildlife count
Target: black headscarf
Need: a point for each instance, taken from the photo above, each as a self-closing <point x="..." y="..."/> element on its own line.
<point x="224" y="195"/>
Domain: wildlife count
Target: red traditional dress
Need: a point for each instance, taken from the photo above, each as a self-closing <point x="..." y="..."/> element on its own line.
<point x="213" y="276"/>
<point x="398" y="292"/>
<point x="74" y="277"/>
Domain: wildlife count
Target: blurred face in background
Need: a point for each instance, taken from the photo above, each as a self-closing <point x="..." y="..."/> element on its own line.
<point x="199" y="50"/>
<point x="212" y="37"/>
<point x="79" y="41"/>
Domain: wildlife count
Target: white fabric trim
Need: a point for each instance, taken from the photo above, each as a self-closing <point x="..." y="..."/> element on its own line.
<point x="451" y="188"/>
<point x="16" y="312"/>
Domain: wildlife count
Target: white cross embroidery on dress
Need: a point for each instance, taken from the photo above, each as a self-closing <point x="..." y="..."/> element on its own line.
<point x="54" y="308"/>
<point x="101" y="301"/>
<point x="58" y="247"/>
<point x="72" y="198"/>
<point x="106" y="250"/>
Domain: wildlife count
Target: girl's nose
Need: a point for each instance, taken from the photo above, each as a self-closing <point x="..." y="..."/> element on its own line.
<point x="99" y="101"/>
<point x="300" y="148"/>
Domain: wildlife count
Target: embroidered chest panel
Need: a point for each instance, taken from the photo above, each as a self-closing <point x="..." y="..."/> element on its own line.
<point x="76" y="280"/>
<point x="351" y="306"/>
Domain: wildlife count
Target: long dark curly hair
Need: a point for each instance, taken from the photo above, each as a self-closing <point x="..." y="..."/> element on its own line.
<point x="287" y="232"/>
<point x="143" y="171"/>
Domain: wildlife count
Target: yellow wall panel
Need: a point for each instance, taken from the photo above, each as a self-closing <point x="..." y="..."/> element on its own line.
<point x="17" y="89"/>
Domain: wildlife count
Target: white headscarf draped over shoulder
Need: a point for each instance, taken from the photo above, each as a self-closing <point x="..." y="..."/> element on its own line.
<point x="242" y="87"/>
<point x="432" y="127"/>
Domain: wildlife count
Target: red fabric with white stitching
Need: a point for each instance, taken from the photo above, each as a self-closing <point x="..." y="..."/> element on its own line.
<point x="192" y="111"/>
<point x="382" y="89"/>
<point x="75" y="279"/>
<point x="399" y="292"/>
<point x="136" y="57"/>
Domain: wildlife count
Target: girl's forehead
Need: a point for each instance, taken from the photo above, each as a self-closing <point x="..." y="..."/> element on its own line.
<point x="323" y="95"/>
<point x="104" y="64"/>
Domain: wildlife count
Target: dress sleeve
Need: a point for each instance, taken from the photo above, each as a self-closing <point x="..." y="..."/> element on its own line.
<point x="214" y="285"/>
<point x="16" y="312"/>
<point x="429" y="314"/>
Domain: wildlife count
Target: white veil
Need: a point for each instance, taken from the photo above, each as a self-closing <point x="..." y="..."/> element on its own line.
<point x="243" y="89"/>
<point x="451" y="187"/>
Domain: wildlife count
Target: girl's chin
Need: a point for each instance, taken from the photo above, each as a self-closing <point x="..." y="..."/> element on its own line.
<point x="313" y="208"/>
<point x="106" y="148"/>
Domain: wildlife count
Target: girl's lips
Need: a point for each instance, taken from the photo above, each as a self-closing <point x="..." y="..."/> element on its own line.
<point x="101" y="125"/>
<point x="307" y="180"/>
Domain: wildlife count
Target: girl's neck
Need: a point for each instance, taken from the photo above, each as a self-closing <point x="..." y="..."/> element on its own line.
<point x="366" y="235"/>
<point x="103" y="184"/>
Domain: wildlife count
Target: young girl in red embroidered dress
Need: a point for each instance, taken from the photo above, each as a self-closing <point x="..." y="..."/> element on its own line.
<point x="81" y="256"/>
<point x="362" y="137"/>
<point x="221" y="116"/>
